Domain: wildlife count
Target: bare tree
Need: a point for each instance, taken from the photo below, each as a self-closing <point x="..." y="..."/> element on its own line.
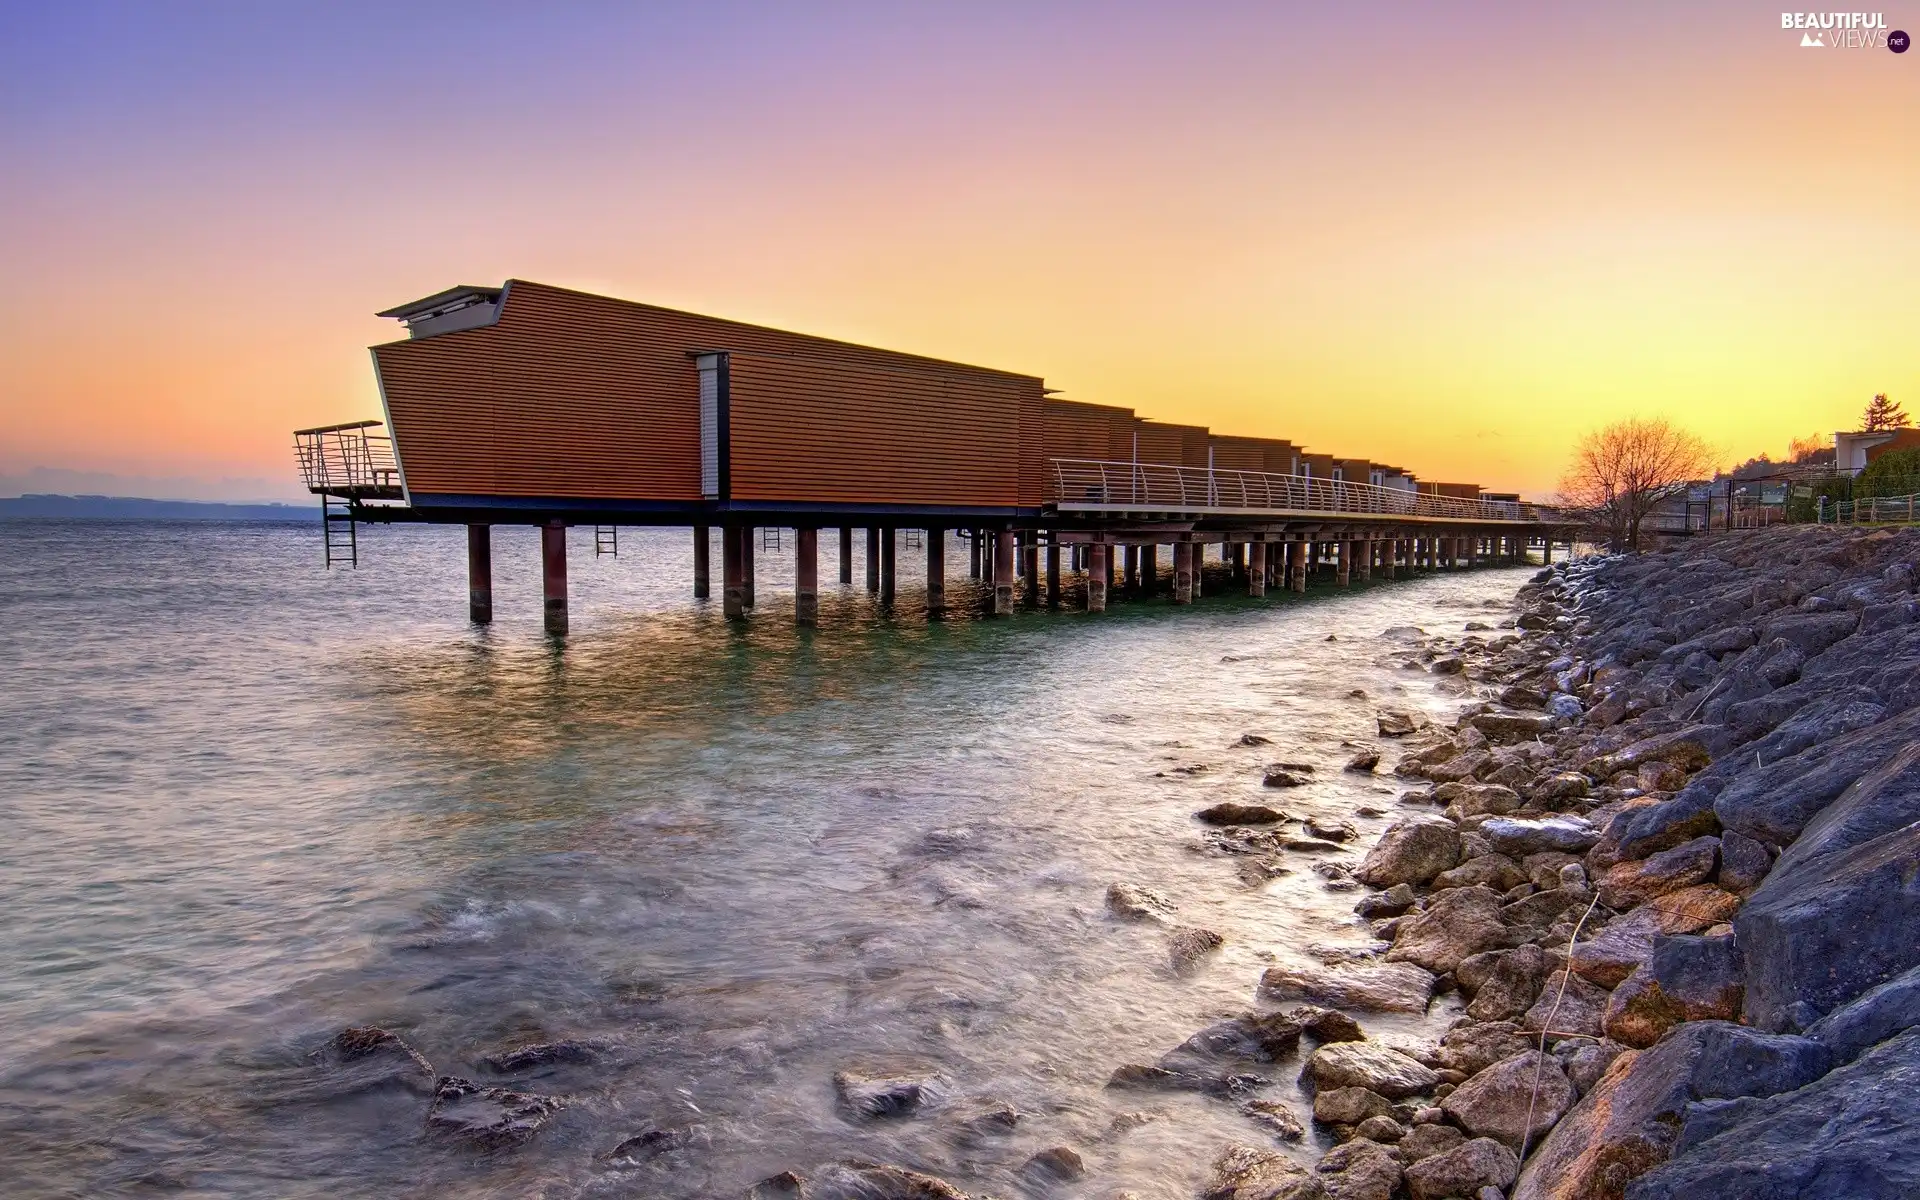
<point x="1883" y="413"/>
<point x="1621" y="472"/>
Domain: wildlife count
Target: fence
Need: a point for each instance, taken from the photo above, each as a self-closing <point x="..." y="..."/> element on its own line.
<point x="1089" y="484"/>
<point x="1877" y="510"/>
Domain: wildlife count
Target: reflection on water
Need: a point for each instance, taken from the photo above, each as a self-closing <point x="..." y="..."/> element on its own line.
<point x="250" y="803"/>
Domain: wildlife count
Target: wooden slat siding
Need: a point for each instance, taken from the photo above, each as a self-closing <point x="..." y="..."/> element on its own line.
<point x="576" y="396"/>
<point x="804" y="429"/>
<point x="1077" y="430"/>
<point x="1322" y="464"/>
<point x="1174" y="445"/>
<point x="1035" y="471"/>
<point x="1233" y="453"/>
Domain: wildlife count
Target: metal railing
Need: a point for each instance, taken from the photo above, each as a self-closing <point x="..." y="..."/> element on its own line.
<point x="1877" y="510"/>
<point x="347" y="460"/>
<point x="1087" y="483"/>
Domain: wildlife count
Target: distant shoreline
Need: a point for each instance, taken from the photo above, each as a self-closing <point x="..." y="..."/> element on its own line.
<point x="129" y="508"/>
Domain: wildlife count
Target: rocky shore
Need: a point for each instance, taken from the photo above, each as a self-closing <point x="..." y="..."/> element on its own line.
<point x="1674" y="875"/>
<point x="1662" y="865"/>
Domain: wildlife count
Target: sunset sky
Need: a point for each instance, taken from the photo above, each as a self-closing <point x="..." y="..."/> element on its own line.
<point x="1449" y="240"/>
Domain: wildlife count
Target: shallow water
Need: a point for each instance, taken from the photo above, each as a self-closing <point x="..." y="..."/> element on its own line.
<point x="249" y="802"/>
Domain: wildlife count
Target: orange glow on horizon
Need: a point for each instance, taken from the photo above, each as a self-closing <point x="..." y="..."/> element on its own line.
<point x="1449" y="247"/>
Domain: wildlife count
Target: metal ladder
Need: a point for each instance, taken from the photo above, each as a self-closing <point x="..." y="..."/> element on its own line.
<point x="770" y="537"/>
<point x="341" y="535"/>
<point x="914" y="537"/>
<point x="606" y="540"/>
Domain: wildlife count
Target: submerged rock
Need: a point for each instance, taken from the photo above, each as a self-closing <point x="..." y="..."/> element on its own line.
<point x="870" y="1095"/>
<point x="854" y="1179"/>
<point x="1059" y="1164"/>
<point x="1229" y="813"/>
<point x="1244" y="1172"/>
<point x="1188" y="945"/>
<point x="542" y="1054"/>
<point x="489" y="1117"/>
<point x="1135" y="903"/>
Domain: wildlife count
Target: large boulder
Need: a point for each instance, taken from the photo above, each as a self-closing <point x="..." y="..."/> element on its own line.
<point x="1611" y="955"/>
<point x="1629" y="883"/>
<point x="1473" y="1046"/>
<point x="1687" y="979"/>
<point x="1463" y="1170"/>
<point x="1631" y="1119"/>
<point x="1776" y="803"/>
<point x="1878" y="1014"/>
<point x="1879" y="802"/>
<point x="1370" y="1065"/>
<point x="1386" y="987"/>
<point x="1688" y="749"/>
<point x="1854" y="1133"/>
<point x="1496" y="871"/>
<point x="1412" y="850"/>
<point x="1513" y="1101"/>
<point x="1262" y="1037"/>
<point x="1456" y="923"/>
<point x="1819" y="934"/>
<point x="1810" y="633"/>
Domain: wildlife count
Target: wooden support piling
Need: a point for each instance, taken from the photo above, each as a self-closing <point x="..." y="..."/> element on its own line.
<point x="873" y="559"/>
<point x="480" y="574"/>
<point x="806" y="577"/>
<point x="553" y="575"/>
<point x="846" y="555"/>
<point x="1053" y="572"/>
<point x="1030" y="569"/>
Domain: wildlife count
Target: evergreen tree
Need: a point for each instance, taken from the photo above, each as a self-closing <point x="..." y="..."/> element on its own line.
<point x="1883" y="413"/>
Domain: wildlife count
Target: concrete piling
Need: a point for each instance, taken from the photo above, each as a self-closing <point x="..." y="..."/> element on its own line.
<point x="702" y="561"/>
<point x="846" y="555"/>
<point x="889" y="545"/>
<point x="1030" y="569"/>
<point x="553" y="575"/>
<point x="936" y="572"/>
<point x="1257" y="569"/>
<point x="732" y="591"/>
<point x="1053" y="572"/>
<point x="873" y="559"/>
<point x="1003" y="573"/>
<point x="806" y="576"/>
<point x="1183" y="557"/>
<point x="1098" y="573"/>
<point x="748" y="535"/>
<point x="480" y="574"/>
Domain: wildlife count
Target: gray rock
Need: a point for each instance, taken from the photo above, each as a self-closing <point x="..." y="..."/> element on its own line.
<point x="1058" y="1164"/>
<point x="853" y="1179"/>
<point x="1229" y="813"/>
<point x="1397" y="724"/>
<point x="1686" y="979"/>
<point x="1412" y="850"/>
<point x="1476" y="1045"/>
<point x="1821" y="933"/>
<point x="1631" y="1119"/>
<point x="1879" y="802"/>
<point x="1568" y="1006"/>
<point x="1511" y="987"/>
<point x="1276" y="1118"/>
<point x="1188" y="945"/>
<point x="1267" y="1037"/>
<point x="1244" y="1172"/>
<point x="1134" y="903"/>
<point x="870" y="1094"/>
<point x="1141" y="1077"/>
<point x="1495" y="871"/>
<point x="488" y="1117"/>
<point x="1372" y="1066"/>
<point x="1589" y="1062"/>
<point x="1514" y="1101"/>
<point x="1776" y="803"/>
<point x="1810" y="633"/>
<point x="1854" y="1133"/>
<point x="1390" y="903"/>
<point x="1456" y="923"/>
<point x="1388" y="987"/>
<point x="1463" y="1171"/>
<point x="1877" y="1014"/>
<point x="1428" y="1139"/>
<point x="1744" y="862"/>
<point x="1359" y="1170"/>
<point x="1519" y="836"/>
<point x="1349" y="1105"/>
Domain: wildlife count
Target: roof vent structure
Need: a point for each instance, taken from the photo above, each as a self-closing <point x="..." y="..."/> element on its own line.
<point x="448" y="312"/>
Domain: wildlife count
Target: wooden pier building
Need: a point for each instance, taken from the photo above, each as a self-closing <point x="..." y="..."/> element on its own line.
<point x="531" y="404"/>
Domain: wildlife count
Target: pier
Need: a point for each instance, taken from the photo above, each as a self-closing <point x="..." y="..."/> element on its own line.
<point x="532" y="405"/>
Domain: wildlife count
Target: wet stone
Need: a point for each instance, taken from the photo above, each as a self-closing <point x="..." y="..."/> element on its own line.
<point x="1279" y="1120"/>
<point x="489" y="1117"/>
<point x="1134" y="903"/>
<point x="878" y="1096"/>
<point x="1230" y="813"/>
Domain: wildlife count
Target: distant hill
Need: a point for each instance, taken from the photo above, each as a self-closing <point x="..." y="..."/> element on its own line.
<point x="128" y="508"/>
